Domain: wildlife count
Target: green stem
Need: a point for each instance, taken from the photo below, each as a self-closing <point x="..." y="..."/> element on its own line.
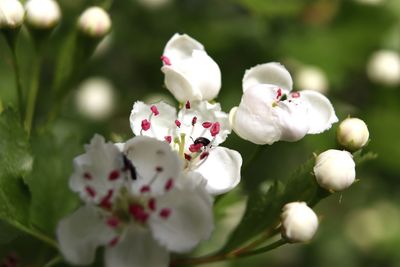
<point x="42" y="237"/>
<point x="53" y="261"/>
<point x="30" y="111"/>
<point x="11" y="41"/>
<point x="228" y="256"/>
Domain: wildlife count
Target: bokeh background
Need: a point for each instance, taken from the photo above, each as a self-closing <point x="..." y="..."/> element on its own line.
<point x="346" y="49"/>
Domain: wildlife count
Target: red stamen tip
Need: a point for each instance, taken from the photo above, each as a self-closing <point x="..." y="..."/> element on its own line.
<point x="145" y="189"/>
<point x="159" y="169"/>
<point x="90" y="191"/>
<point x="114" y="175"/>
<point x="106" y="201"/>
<point x="178" y="123"/>
<point x="188" y="157"/>
<point x="195" y="147"/>
<point x="296" y="94"/>
<point x="166" y="60"/>
<point x="87" y="176"/>
<point x="215" y="128"/>
<point x="168" y="138"/>
<point x="114" y="241"/>
<point x="154" y="109"/>
<point x="169" y="184"/>
<point x="113" y="222"/>
<point x="194" y="120"/>
<point x="206" y="124"/>
<point x="165" y="213"/>
<point x="137" y="211"/>
<point x="187" y="105"/>
<point x="152" y="204"/>
<point x="204" y="154"/>
<point x="145" y="125"/>
<point x="279" y="93"/>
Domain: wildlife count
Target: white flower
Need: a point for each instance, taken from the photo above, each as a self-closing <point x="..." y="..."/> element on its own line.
<point x="11" y="14"/>
<point x="299" y="222"/>
<point x="138" y="205"/>
<point x="95" y="98"/>
<point x="335" y="170"/>
<point x="190" y="73"/>
<point x="352" y="133"/>
<point x="269" y="111"/>
<point x="384" y="67"/>
<point x="42" y="14"/>
<point x="94" y="22"/>
<point x="196" y="131"/>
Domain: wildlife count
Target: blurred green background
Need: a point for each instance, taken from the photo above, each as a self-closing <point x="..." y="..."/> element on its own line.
<point x="347" y="49"/>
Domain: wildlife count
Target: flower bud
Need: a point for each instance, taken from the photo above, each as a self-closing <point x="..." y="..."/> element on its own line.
<point x="335" y="170"/>
<point x="352" y="134"/>
<point x="11" y="14"/>
<point x="299" y="222"/>
<point x="94" y="22"/>
<point x="42" y="14"/>
<point x="384" y="67"/>
<point x="312" y="78"/>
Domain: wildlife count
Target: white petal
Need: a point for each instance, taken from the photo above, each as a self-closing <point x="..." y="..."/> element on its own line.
<point x="292" y="118"/>
<point x="161" y="125"/>
<point x="321" y="114"/>
<point x="137" y="248"/>
<point x="181" y="46"/>
<point x="221" y="169"/>
<point x="179" y="85"/>
<point x="92" y="170"/>
<point x="204" y="112"/>
<point x="254" y="120"/>
<point x="81" y="233"/>
<point x="154" y="161"/>
<point x="190" y="220"/>
<point x="269" y="73"/>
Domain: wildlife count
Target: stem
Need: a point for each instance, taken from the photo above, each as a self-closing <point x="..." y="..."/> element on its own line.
<point x="53" y="261"/>
<point x="36" y="234"/>
<point x="228" y="256"/>
<point x="11" y="41"/>
<point x="33" y="93"/>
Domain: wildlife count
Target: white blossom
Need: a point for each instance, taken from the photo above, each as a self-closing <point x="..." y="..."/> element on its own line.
<point x="139" y="205"/>
<point x="42" y="14"/>
<point x="299" y="222"/>
<point x="190" y="73"/>
<point x="353" y="134"/>
<point x="384" y="67"/>
<point x="195" y="132"/>
<point x="269" y="111"/>
<point x="312" y="78"/>
<point x="11" y="14"/>
<point x="335" y="170"/>
<point x="94" y="22"/>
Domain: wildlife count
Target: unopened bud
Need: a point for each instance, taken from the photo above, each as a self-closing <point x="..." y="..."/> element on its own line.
<point x="299" y="222"/>
<point x="11" y="14"/>
<point x="352" y="134"/>
<point x="335" y="170"/>
<point x="42" y="14"/>
<point x="95" y="22"/>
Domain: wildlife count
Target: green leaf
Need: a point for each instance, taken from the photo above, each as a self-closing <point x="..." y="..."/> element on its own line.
<point x="263" y="209"/>
<point x="15" y="161"/>
<point x="7" y="233"/>
<point x="48" y="182"/>
<point x="274" y="7"/>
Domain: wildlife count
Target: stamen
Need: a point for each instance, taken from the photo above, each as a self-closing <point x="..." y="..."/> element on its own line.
<point x="106" y="201"/>
<point x="204" y="154"/>
<point x="113" y="222"/>
<point x="138" y="212"/>
<point x="145" y="125"/>
<point x="168" y="138"/>
<point x="279" y="93"/>
<point x="159" y="169"/>
<point x="87" y="176"/>
<point x="113" y="242"/>
<point x="114" y="175"/>
<point x="206" y="124"/>
<point x="215" y="128"/>
<point x="195" y="147"/>
<point x="91" y="192"/>
<point x="145" y="189"/>
<point x="194" y="120"/>
<point x="166" y="60"/>
<point x="295" y="94"/>
<point x="154" y="110"/>
<point x="169" y="184"/>
<point x="187" y="105"/>
<point x="187" y="157"/>
<point x="152" y="204"/>
<point x="165" y="213"/>
<point x="178" y="123"/>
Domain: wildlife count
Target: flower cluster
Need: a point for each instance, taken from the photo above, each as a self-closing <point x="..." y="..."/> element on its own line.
<point x="153" y="194"/>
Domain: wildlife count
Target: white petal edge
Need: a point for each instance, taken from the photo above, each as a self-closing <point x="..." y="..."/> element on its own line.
<point x="181" y="46"/>
<point x="81" y="233"/>
<point x="321" y="114"/>
<point x="136" y="248"/>
<point x="272" y="73"/>
<point x="190" y="221"/>
<point x="221" y="170"/>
